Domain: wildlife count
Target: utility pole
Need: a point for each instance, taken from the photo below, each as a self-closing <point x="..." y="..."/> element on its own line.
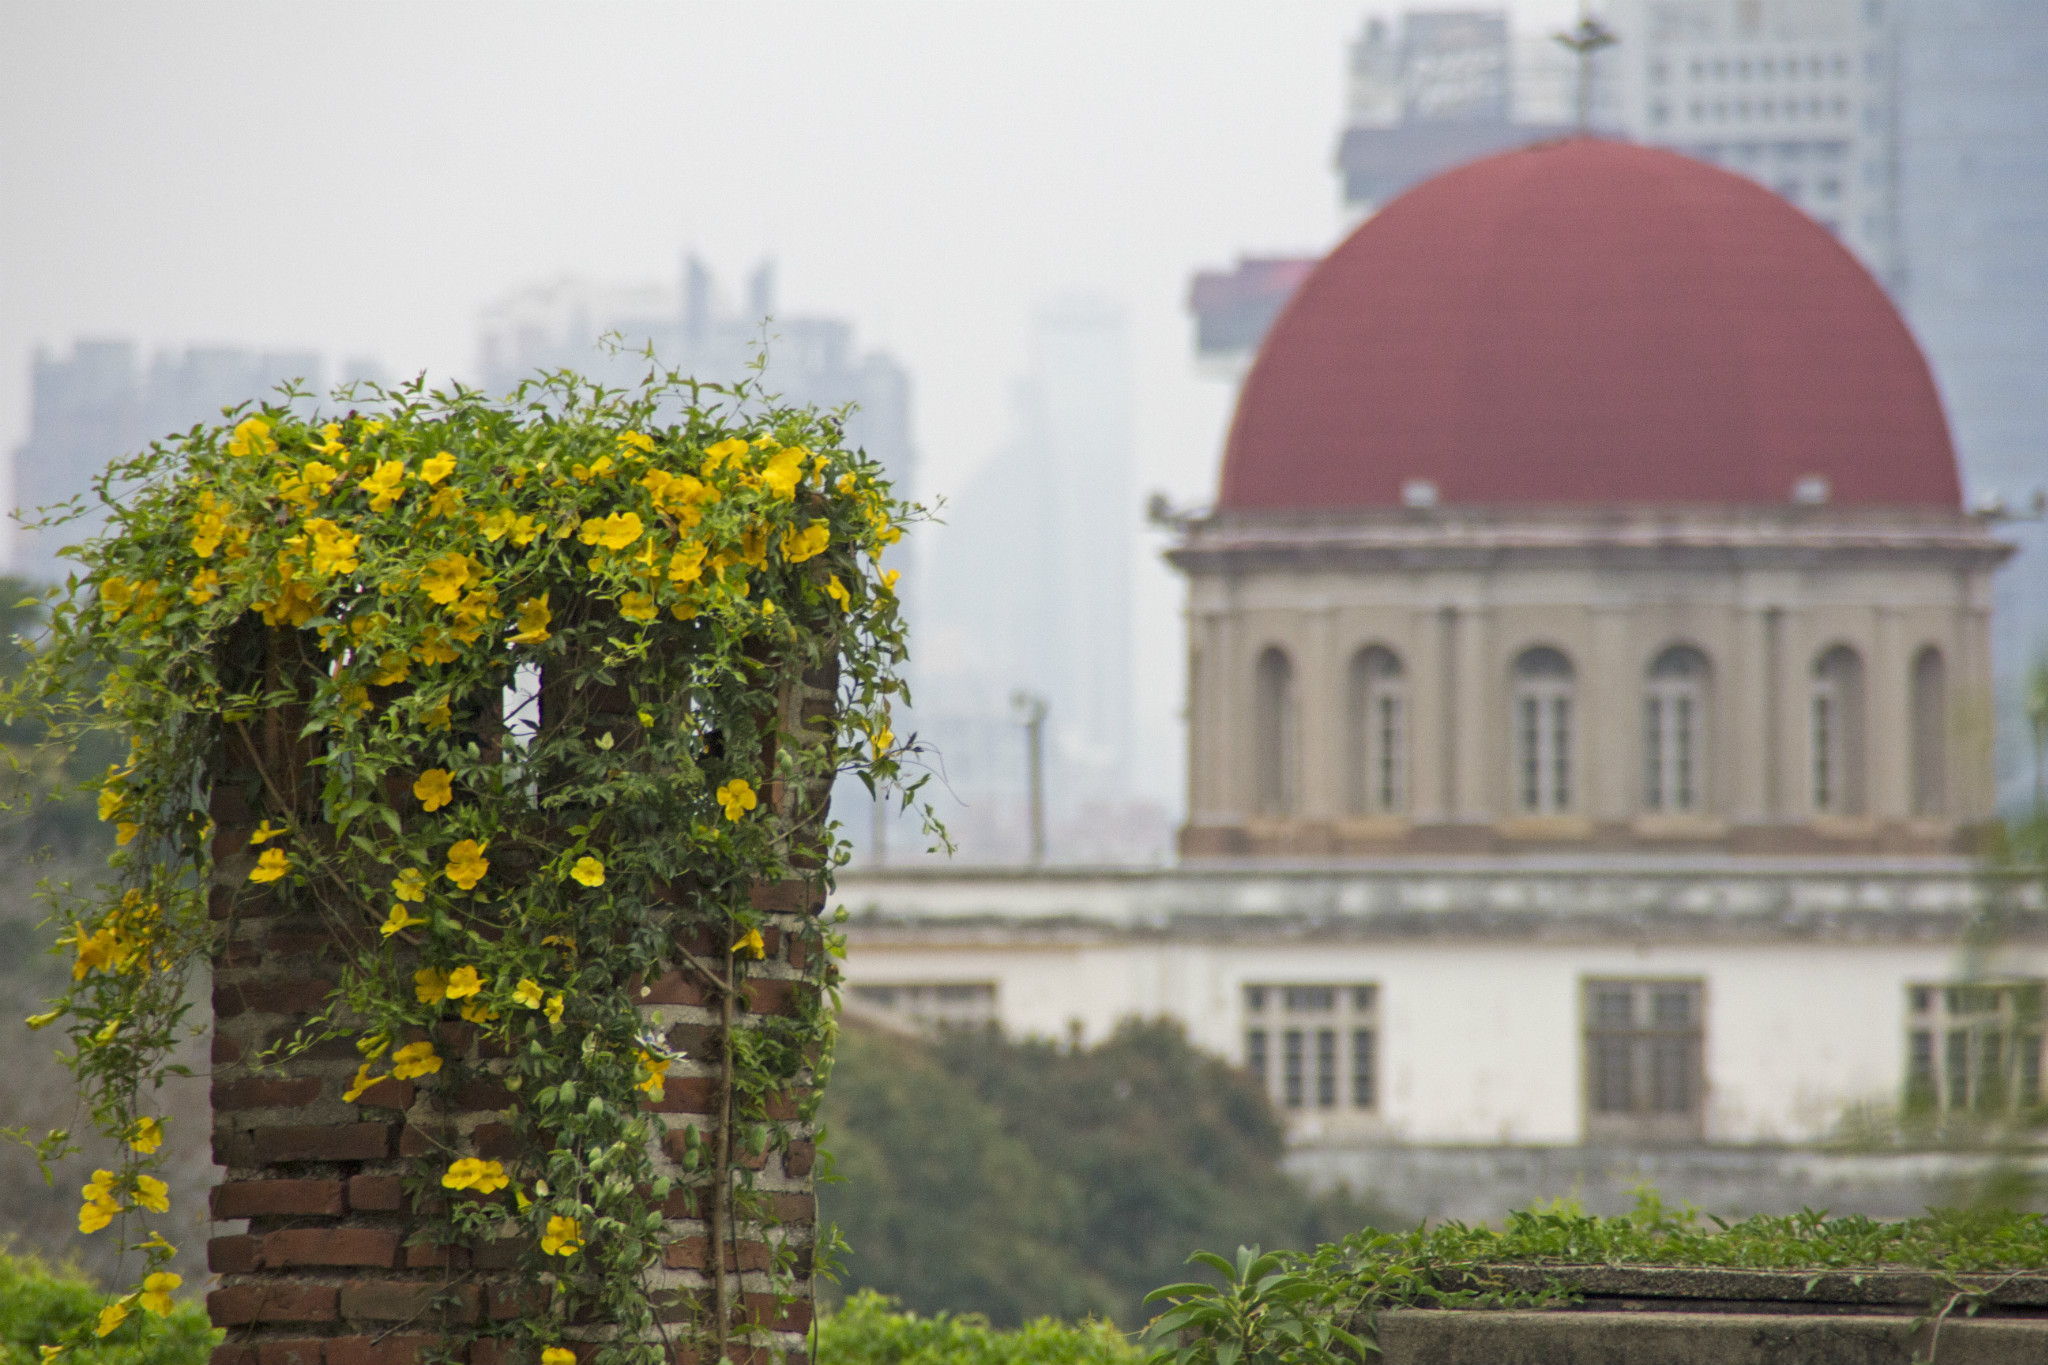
<point x="1587" y="38"/>
<point x="1031" y="710"/>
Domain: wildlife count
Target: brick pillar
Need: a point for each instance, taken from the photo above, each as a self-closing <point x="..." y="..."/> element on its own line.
<point x="324" y="1274"/>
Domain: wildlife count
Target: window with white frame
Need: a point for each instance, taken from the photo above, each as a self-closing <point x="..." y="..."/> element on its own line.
<point x="1543" y="732"/>
<point x="1675" y="732"/>
<point x="1377" y="751"/>
<point x="1314" y="1047"/>
<point x="1973" y="1047"/>
<point x="1645" y="1074"/>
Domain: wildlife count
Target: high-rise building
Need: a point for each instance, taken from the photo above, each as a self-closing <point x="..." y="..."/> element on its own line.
<point x="101" y="402"/>
<point x="809" y="359"/>
<point x="1031" y="587"/>
<point x="1973" y="218"/>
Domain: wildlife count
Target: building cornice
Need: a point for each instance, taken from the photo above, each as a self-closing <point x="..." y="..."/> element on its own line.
<point x="1480" y="538"/>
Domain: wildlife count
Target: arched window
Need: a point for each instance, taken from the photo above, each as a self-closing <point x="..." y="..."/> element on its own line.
<point x="1543" y="731"/>
<point x="1930" y="734"/>
<point x="1377" y="750"/>
<point x="1675" y="732"/>
<point x="1273" y="735"/>
<point x="1837" y="738"/>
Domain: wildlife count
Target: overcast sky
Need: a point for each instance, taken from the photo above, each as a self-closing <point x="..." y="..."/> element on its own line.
<point x="364" y="178"/>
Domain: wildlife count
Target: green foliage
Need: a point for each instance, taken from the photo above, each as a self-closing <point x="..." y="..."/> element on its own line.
<point x="1347" y="1283"/>
<point x="40" y="1306"/>
<point x="867" y="1330"/>
<point x="1018" y="1178"/>
<point x="527" y="697"/>
<point x="42" y="802"/>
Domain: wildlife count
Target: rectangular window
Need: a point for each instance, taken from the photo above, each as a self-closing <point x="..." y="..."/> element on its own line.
<point x="1974" y="1047"/>
<point x="1321" y="1035"/>
<point x="1644" y="1067"/>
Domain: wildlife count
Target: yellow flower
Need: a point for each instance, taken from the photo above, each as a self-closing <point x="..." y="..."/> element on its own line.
<point x="783" y="470"/>
<point x="528" y="993"/>
<point x="463" y="982"/>
<point x="125" y="832"/>
<point x="318" y="475"/>
<point x="639" y="442"/>
<point x="564" y="1237"/>
<point x="50" y="1353"/>
<point x="363" y="1081"/>
<point x="469" y="1173"/>
<point x="385" y="486"/>
<point x="882" y="739"/>
<point x="557" y="1355"/>
<point x="437" y="716"/>
<point x="447" y="575"/>
<point x="477" y="1012"/>
<point x="754" y="547"/>
<point x="433" y="648"/>
<point x="399" y="920"/>
<point x="373" y="1045"/>
<point x="588" y="870"/>
<point x="446" y="502"/>
<point x="112" y="798"/>
<point x="614" y="532"/>
<point x="638" y="606"/>
<point x="265" y="832"/>
<point x="271" y="866"/>
<point x="115" y="595"/>
<point x="554" y="1009"/>
<point x="208" y="526"/>
<point x="533" y="621"/>
<point x="252" y="437"/>
<point x="809" y="543"/>
<point x="330" y="442"/>
<point x="596" y="469"/>
<point x="686" y="565"/>
<point x="730" y="449"/>
<point x="737" y="796"/>
<point x="467" y="864"/>
<point x="435" y="788"/>
<point x="653" y="1071"/>
<point x="156" y="1292"/>
<point x="44" y="1020"/>
<point x="205" y="586"/>
<point x="112" y="1316"/>
<point x="410" y="885"/>
<point x="751" y="944"/>
<point x="392" y="669"/>
<point x="152" y="1194"/>
<point x="334" y="550"/>
<point x="95" y="1214"/>
<point x="438" y="468"/>
<point x="414" y="1059"/>
<point x="430" y="984"/>
<point x="147" y="1135"/>
<point x="889" y="580"/>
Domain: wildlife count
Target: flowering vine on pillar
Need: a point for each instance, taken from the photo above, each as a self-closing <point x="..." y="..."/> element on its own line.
<point x="484" y="750"/>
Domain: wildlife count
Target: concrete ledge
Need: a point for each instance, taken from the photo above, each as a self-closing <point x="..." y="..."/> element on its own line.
<point x="1438" y="1337"/>
<point x="1696" y="1289"/>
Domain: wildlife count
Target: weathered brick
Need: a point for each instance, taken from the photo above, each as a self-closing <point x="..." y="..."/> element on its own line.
<point x="402" y="1300"/>
<point x="281" y="1301"/>
<point x="500" y="1254"/>
<point x="794" y="1208"/>
<point x="688" y="1254"/>
<point x="324" y="1142"/>
<point x="770" y="996"/>
<point x="786" y="897"/>
<point x="330" y="1246"/>
<point x="673" y="988"/>
<point x="232" y="1353"/>
<point x="389" y="1093"/>
<point x="379" y="1350"/>
<point x="781" y="1105"/>
<point x="432" y="1256"/>
<point x="225" y="1049"/>
<point x="765" y="1310"/>
<point x="266" y="1092"/>
<point x="684" y="1095"/>
<point x="234" y="1255"/>
<point x="376" y="1193"/>
<point x="272" y="995"/>
<point x="289" y="1351"/>
<point x="476" y="1094"/>
<point x="797" y="1161"/>
<point x="495" y="1141"/>
<point x="264" y="1198"/>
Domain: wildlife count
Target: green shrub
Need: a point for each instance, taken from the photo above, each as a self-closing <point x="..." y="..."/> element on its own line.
<point x="40" y="1306"/>
<point x="868" y="1330"/>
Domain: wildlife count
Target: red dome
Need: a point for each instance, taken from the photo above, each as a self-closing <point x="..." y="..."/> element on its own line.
<point x="1588" y="322"/>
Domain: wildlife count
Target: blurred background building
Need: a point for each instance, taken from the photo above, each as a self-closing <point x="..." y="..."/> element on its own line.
<point x="102" y="400"/>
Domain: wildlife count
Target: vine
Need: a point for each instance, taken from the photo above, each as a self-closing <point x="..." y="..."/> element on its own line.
<point x="523" y="699"/>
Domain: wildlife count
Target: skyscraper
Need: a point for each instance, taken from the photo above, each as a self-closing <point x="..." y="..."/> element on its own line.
<point x="100" y="402"/>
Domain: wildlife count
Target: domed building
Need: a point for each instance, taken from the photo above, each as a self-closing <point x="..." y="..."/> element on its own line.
<point x="1589" y="724"/>
<point x="1589" y="497"/>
